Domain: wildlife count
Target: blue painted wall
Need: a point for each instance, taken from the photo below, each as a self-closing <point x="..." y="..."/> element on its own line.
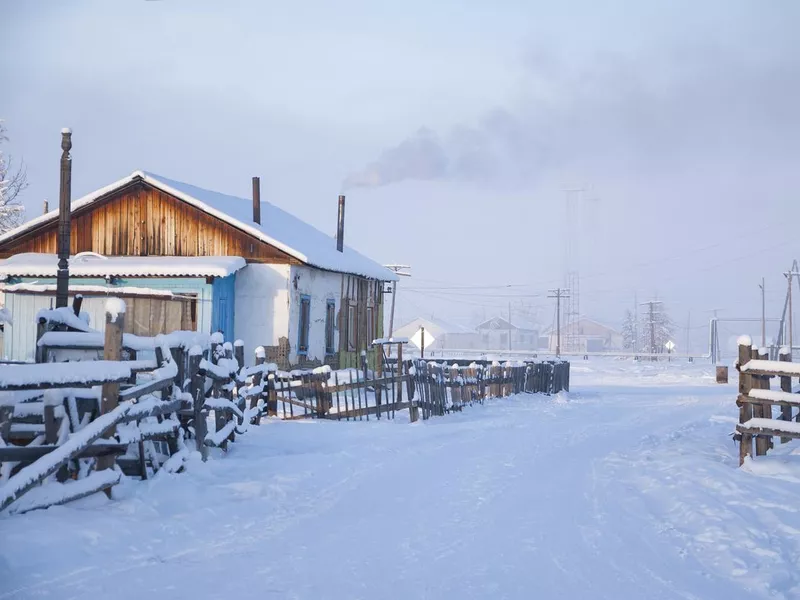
<point x="223" y="290"/>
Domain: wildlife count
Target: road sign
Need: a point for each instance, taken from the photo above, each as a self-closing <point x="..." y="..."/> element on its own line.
<point x="670" y="346"/>
<point x="416" y="339"/>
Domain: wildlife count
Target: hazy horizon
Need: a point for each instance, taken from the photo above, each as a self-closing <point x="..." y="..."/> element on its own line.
<point x="455" y="130"/>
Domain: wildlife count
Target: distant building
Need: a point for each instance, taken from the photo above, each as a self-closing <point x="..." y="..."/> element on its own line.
<point x="439" y="335"/>
<point x="495" y="334"/>
<point x="588" y="336"/>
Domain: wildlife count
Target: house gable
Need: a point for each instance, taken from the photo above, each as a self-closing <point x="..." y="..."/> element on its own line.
<point x="140" y="220"/>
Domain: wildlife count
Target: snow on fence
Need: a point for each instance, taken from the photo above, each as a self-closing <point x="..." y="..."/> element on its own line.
<point x="76" y="427"/>
<point x="70" y="429"/>
<point x="757" y="421"/>
<point x="426" y="388"/>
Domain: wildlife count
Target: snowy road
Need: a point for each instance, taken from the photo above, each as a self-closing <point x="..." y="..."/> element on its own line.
<point x="627" y="488"/>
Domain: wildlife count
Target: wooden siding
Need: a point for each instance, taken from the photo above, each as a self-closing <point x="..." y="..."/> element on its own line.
<point x="143" y="221"/>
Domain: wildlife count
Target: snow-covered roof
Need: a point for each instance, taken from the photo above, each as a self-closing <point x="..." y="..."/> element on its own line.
<point x="93" y="265"/>
<point x="434" y="325"/>
<point x="501" y="323"/>
<point x="582" y="323"/>
<point x="278" y="228"/>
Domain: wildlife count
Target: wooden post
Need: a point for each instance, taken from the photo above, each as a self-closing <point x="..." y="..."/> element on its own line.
<point x="413" y="402"/>
<point x="746" y="409"/>
<point x="763" y="411"/>
<point x="422" y="342"/>
<point x="77" y="301"/>
<point x="197" y="389"/>
<point x="238" y="353"/>
<point x="112" y="350"/>
<point x="64" y="221"/>
<point x="378" y="375"/>
<point x="784" y="355"/>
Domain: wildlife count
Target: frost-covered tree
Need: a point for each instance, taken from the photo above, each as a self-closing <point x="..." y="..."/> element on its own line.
<point x="629" y="331"/>
<point x="12" y="182"/>
<point x="653" y="340"/>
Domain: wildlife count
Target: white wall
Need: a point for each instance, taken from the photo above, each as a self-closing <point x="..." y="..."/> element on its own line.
<point x="320" y="286"/>
<point x="19" y="342"/>
<point x="261" y="311"/>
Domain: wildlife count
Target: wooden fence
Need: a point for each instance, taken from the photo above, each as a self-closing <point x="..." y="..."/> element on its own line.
<point x="70" y="429"/>
<point x="758" y="422"/>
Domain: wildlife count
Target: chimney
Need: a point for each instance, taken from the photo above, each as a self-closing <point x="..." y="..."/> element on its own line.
<point x="46" y="208"/>
<point x="64" y="219"/>
<point x="340" y="226"/>
<point x="257" y="200"/>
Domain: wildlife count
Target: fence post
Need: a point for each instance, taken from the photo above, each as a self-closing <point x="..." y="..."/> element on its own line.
<point x="112" y="350"/>
<point x="762" y="411"/>
<point x="197" y="390"/>
<point x="745" y="408"/>
<point x="413" y="403"/>
<point x="784" y="355"/>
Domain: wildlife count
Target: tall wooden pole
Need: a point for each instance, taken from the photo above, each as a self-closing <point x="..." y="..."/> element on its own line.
<point x="763" y="316"/>
<point x="64" y="220"/>
<point x="791" y="328"/>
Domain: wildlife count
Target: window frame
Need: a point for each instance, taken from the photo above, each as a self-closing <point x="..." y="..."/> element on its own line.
<point x="352" y="326"/>
<point x="371" y="331"/>
<point x="304" y="329"/>
<point x="330" y="326"/>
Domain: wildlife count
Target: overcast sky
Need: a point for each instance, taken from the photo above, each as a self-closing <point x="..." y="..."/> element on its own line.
<point x="454" y="128"/>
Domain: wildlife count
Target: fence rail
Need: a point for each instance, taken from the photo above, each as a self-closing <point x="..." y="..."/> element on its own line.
<point x="757" y="420"/>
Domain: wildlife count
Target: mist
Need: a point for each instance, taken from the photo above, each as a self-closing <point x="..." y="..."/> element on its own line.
<point x="454" y="134"/>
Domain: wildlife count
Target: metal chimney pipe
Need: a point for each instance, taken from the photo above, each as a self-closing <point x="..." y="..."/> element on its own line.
<point x="46" y="207"/>
<point x="340" y="226"/>
<point x="257" y="200"/>
<point x="64" y="219"/>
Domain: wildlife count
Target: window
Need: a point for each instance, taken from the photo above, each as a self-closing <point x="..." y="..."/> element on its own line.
<point x="330" y="316"/>
<point x="305" y="322"/>
<point x="351" y="326"/>
<point x="370" y="325"/>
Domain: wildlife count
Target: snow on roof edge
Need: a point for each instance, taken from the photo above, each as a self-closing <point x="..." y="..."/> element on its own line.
<point x="156" y="181"/>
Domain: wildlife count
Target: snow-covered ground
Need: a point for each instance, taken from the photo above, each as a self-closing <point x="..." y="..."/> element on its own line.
<point x="626" y="488"/>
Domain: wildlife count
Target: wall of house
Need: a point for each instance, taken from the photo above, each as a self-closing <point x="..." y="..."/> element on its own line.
<point x="19" y="341"/>
<point x="262" y="305"/>
<point x="319" y="286"/>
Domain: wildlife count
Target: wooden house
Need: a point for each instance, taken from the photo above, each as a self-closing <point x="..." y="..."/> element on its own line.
<point x="439" y="335"/>
<point x="585" y="335"/>
<point x="498" y="333"/>
<point x="205" y="260"/>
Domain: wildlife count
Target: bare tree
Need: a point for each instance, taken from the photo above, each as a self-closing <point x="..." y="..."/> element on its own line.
<point x="12" y="182"/>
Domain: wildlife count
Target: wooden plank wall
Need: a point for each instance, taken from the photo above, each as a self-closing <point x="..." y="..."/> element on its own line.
<point x="143" y="221"/>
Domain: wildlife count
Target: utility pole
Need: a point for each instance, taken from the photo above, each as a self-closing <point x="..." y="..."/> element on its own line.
<point x="558" y="294"/>
<point x="688" y="335"/>
<point x="509" y="326"/>
<point x="764" y="315"/>
<point x="789" y="277"/>
<point x="652" y="316"/>
<point x="400" y="271"/>
<point x="636" y="323"/>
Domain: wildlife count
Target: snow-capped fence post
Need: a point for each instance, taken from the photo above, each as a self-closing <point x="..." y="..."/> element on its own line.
<point x="784" y="355"/>
<point x="112" y="350"/>
<point x="745" y="408"/>
<point x="238" y="352"/>
<point x="197" y="390"/>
